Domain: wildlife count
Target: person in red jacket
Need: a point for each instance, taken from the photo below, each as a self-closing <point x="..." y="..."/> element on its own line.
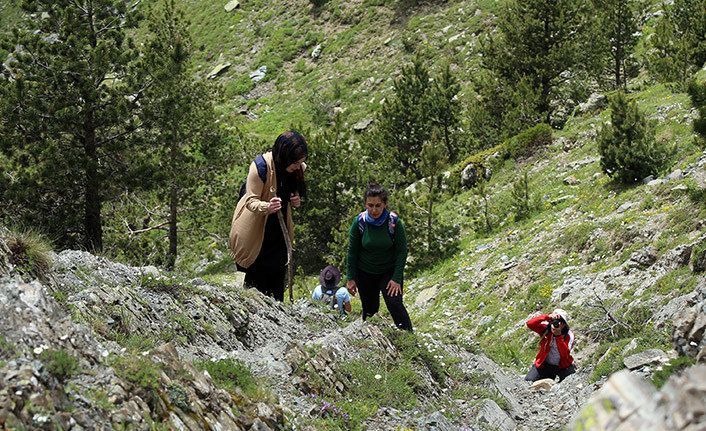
<point x="554" y="356"/>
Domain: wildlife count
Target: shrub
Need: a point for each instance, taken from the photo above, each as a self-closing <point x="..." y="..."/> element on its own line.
<point x="481" y="162"/>
<point x="522" y="203"/>
<point x="318" y="3"/>
<point x="697" y="93"/>
<point x="29" y="251"/>
<point x="528" y="141"/>
<point x="60" y="364"/>
<point x="230" y="374"/>
<point x="627" y="144"/>
<point x="139" y="371"/>
<point x="660" y="377"/>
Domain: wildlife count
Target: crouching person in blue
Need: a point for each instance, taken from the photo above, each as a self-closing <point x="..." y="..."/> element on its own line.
<point x="554" y="356"/>
<point x="328" y="288"/>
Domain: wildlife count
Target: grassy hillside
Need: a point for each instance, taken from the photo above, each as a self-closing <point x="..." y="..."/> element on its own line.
<point x="364" y="44"/>
<point x="497" y="280"/>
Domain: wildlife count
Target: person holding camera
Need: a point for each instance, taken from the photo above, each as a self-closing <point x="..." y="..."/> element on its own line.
<point x="554" y="356"/>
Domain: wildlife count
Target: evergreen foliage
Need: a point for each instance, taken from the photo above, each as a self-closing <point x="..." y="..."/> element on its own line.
<point x="521" y="197"/>
<point x="445" y="109"/>
<point x="184" y="145"/>
<point x="67" y="116"/>
<point x="334" y="171"/>
<point x="525" y="143"/>
<point x="501" y="110"/>
<point x="539" y="41"/>
<point x="697" y="93"/>
<point x="405" y="122"/>
<point x="617" y="34"/>
<point x="429" y="236"/>
<point x="679" y="42"/>
<point x="627" y="145"/>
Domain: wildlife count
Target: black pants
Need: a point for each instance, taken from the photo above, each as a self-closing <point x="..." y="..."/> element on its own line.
<point x="270" y="283"/>
<point x="547" y="371"/>
<point x="267" y="273"/>
<point x="370" y="286"/>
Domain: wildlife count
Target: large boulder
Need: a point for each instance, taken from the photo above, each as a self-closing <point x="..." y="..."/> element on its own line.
<point x="626" y="402"/>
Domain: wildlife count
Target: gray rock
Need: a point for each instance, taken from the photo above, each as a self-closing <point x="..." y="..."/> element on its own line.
<point x="231" y="5"/>
<point x="643" y="258"/>
<point x="626" y="402"/>
<point x="491" y="414"/>
<point x="218" y="70"/>
<point x="594" y="102"/>
<point x="436" y="422"/>
<point x="259" y="74"/>
<point x="316" y="53"/>
<point x="677" y="175"/>
<point x="646" y="357"/>
<point x="362" y="125"/>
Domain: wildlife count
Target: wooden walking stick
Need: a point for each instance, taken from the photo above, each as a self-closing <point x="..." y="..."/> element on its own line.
<point x="290" y="252"/>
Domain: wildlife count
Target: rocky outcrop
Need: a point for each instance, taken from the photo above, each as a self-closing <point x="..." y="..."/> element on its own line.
<point x="57" y="375"/>
<point x="627" y="402"/>
<point x="690" y="325"/>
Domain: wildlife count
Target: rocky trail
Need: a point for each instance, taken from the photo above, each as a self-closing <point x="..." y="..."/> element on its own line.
<point x="282" y="344"/>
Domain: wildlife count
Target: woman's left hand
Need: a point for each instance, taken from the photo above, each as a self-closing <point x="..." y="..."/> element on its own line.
<point x="394" y="288"/>
<point x="296" y="200"/>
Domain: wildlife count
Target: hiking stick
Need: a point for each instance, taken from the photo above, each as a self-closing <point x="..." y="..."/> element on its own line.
<point x="290" y="252"/>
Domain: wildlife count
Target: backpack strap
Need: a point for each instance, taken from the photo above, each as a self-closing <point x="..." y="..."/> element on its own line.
<point x="261" y="167"/>
<point x="391" y="223"/>
<point x="361" y="223"/>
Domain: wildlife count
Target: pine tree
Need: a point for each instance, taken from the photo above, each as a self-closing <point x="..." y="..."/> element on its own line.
<point x="185" y="144"/>
<point x="679" y="42"/>
<point x="403" y="121"/>
<point x="67" y="113"/>
<point x="521" y="197"/>
<point x="539" y="40"/>
<point x="431" y="165"/>
<point x="627" y="145"/>
<point x="697" y="93"/>
<point x="445" y="108"/>
<point x="335" y="171"/>
<point x="406" y="120"/>
<point x="617" y="35"/>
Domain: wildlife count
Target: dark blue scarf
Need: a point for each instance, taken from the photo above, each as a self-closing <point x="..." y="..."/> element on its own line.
<point x="376" y="221"/>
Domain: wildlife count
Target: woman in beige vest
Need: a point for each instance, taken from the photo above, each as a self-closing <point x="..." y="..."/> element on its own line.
<point x="256" y="240"/>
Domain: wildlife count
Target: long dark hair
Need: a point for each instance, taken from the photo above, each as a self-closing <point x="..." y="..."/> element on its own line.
<point x="289" y="148"/>
<point x="375" y="190"/>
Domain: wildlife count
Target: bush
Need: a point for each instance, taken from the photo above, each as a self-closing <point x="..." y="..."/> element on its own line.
<point x="140" y="371"/>
<point x="627" y="144"/>
<point x="60" y="364"/>
<point x="318" y="3"/>
<point x="528" y="141"/>
<point x="230" y="374"/>
<point x="28" y="250"/>
<point x="697" y="93"/>
<point x="481" y="162"/>
<point x="676" y="366"/>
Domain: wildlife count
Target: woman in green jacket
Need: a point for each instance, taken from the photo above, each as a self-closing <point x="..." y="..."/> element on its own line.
<point x="377" y="252"/>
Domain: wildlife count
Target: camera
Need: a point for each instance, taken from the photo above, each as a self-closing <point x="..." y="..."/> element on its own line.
<point x="556" y="323"/>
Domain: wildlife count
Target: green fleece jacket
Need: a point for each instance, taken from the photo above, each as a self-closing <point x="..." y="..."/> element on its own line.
<point x="375" y="253"/>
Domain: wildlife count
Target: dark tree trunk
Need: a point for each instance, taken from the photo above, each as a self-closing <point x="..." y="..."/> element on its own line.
<point x="92" y="220"/>
<point x="173" y="205"/>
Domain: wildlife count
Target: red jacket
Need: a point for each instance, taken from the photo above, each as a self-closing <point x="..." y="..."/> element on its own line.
<point x="563" y="342"/>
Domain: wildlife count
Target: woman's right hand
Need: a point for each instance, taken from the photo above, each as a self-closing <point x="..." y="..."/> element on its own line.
<point x="352" y="287"/>
<point x="274" y="205"/>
